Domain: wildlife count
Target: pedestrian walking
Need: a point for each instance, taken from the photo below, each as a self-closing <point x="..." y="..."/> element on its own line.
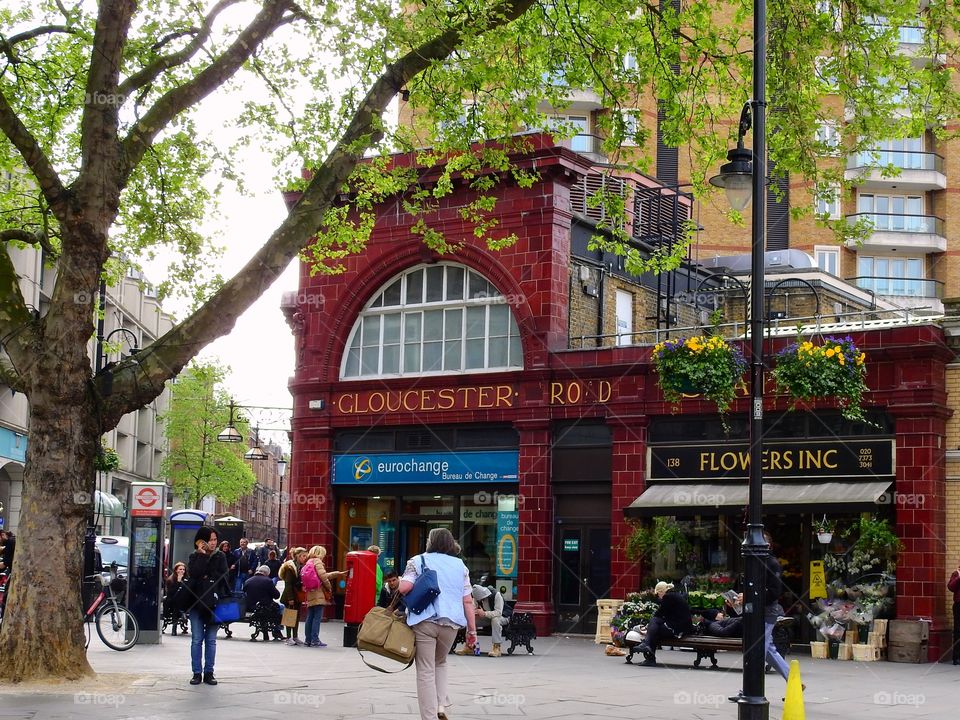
<point x="316" y="582"/>
<point x="290" y="597"/>
<point x="208" y="573"/>
<point x="436" y="627"/>
<point x="245" y="564"/>
<point x="954" y="586"/>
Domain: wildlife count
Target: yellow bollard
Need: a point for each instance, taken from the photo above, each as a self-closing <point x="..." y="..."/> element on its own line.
<point x="793" y="705"/>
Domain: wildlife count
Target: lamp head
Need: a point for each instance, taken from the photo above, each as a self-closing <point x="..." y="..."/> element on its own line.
<point x="736" y="177"/>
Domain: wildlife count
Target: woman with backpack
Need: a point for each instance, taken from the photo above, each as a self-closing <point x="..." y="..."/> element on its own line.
<point x="315" y="581"/>
<point x="290" y="574"/>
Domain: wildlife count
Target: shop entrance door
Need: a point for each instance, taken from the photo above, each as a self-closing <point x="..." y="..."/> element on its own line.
<point x="583" y="576"/>
<point x="413" y="537"/>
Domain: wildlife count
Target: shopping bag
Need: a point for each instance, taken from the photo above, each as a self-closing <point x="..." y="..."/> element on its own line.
<point x="230" y="609"/>
<point x="290" y="618"/>
<point x="425" y="589"/>
<point x="387" y="634"/>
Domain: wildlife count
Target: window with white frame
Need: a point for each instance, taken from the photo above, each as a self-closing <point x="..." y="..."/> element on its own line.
<point x="631" y="126"/>
<point x="828" y="136"/>
<point x="894" y="213"/>
<point x="828" y="259"/>
<point x="827" y="202"/>
<point x="434" y="319"/>
<point x="580" y="124"/>
<point x="901" y="276"/>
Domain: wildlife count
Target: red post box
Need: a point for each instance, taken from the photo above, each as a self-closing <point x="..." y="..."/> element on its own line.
<point x="361" y="592"/>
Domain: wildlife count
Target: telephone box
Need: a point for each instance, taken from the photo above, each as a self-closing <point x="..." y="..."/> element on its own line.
<point x="361" y="592"/>
<point x="147" y="503"/>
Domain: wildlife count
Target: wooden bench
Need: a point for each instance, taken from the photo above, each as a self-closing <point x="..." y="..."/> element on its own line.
<point x="704" y="645"/>
<point x="707" y="645"/>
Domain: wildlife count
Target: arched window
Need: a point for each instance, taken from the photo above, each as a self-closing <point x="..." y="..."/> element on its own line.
<point x="434" y="319"/>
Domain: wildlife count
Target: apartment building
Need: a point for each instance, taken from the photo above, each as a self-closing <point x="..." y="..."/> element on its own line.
<point x="132" y="318"/>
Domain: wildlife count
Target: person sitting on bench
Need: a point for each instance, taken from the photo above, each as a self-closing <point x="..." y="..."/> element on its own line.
<point x="261" y="592"/>
<point x="671" y="620"/>
<point x="489" y="608"/>
<point x="728" y="624"/>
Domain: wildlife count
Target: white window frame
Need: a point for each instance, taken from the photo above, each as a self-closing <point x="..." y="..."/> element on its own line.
<point x="413" y="312"/>
<point x="830" y="208"/>
<point x="828" y="134"/>
<point x="824" y="252"/>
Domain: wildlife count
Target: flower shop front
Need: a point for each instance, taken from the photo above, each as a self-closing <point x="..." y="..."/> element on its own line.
<point x="697" y="492"/>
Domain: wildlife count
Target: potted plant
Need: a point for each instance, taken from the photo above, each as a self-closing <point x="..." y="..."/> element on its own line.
<point x="704" y="365"/>
<point x="107" y="459"/>
<point x="807" y="371"/>
<point x="824" y="529"/>
<point x="656" y="539"/>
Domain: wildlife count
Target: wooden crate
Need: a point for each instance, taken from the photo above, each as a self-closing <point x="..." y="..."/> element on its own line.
<point x="845" y="651"/>
<point x="909" y="631"/>
<point x="606" y="609"/>
<point x="876" y="639"/>
<point x="819" y="650"/>
<point x="866" y="653"/>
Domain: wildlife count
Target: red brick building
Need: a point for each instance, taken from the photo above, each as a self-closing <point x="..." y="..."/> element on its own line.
<point x="463" y="391"/>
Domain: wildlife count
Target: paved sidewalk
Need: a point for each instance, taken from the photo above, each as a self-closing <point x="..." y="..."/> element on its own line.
<point x="567" y="678"/>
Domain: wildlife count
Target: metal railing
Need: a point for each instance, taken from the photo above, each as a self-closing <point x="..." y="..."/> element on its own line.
<point x="894" y="222"/>
<point x="903" y="159"/>
<point x="857" y="320"/>
<point x="585" y="143"/>
<point x="907" y="34"/>
<point x="899" y="286"/>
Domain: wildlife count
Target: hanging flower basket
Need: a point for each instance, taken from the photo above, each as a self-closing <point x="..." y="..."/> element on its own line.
<point x="702" y="365"/>
<point x="107" y="460"/>
<point x="834" y="368"/>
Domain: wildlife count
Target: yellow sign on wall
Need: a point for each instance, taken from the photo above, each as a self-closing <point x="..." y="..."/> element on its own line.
<point x="818" y="580"/>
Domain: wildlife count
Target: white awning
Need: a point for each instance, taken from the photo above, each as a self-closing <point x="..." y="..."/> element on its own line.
<point x="108" y="505"/>
<point x="714" y="498"/>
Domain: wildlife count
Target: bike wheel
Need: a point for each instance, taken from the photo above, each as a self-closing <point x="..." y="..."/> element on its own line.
<point x="117" y="627"/>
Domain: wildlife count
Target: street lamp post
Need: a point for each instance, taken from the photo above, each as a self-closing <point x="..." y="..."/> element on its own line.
<point x="752" y="704"/>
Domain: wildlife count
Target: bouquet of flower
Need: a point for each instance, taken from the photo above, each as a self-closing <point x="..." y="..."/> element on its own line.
<point x="834" y="368"/>
<point x="637" y="610"/>
<point x="702" y="365"/>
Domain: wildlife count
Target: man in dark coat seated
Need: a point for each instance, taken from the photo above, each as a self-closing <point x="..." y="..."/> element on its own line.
<point x="261" y="597"/>
<point x="671" y="620"/>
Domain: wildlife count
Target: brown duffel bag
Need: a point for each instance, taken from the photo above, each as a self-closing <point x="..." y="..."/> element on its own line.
<point x="387" y="634"/>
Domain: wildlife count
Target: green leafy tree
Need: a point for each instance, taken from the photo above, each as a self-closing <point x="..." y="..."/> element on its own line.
<point x="105" y="164"/>
<point x="197" y="465"/>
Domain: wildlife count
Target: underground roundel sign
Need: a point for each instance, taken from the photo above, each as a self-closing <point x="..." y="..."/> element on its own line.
<point x="147" y="501"/>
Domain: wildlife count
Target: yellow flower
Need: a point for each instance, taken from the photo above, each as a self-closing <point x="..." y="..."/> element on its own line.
<point x="831" y="352"/>
<point x="840" y="359"/>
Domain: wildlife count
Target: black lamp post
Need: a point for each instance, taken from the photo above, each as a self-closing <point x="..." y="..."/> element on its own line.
<point x="751" y="704"/>
<point x="281" y="471"/>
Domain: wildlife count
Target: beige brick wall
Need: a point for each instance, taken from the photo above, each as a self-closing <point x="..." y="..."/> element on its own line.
<point x="953" y="474"/>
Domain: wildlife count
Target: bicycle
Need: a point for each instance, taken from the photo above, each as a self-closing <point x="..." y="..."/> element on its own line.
<point x="115" y="624"/>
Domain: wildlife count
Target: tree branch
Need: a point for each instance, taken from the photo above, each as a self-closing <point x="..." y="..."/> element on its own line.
<point x="36" y="32"/>
<point x="175" y="101"/>
<point x="34" y="157"/>
<point x="25" y="236"/>
<point x="152" y="71"/>
<point x="135" y="383"/>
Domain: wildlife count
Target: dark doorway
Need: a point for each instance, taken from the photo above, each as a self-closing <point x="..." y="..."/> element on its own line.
<point x="583" y="575"/>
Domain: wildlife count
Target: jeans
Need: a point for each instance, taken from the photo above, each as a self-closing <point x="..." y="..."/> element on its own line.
<point x="312" y="626"/>
<point x="203" y="640"/>
<point x="773" y="656"/>
<point x="956" y="633"/>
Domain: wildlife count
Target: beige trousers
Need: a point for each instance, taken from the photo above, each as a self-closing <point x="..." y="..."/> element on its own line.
<point x="433" y="644"/>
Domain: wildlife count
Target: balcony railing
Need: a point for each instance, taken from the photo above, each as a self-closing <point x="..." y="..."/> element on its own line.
<point x="908" y="34"/>
<point x="890" y="222"/>
<point x="898" y="286"/>
<point x="585" y="144"/>
<point x="903" y="159"/>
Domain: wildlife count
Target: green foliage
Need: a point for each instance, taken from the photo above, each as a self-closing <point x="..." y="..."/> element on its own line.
<point x="107" y="459"/>
<point x="703" y="365"/>
<point x="834" y="368"/>
<point x="646" y="541"/>
<point x="197" y="464"/>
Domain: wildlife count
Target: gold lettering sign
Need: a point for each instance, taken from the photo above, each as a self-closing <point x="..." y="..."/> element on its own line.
<point x="580" y="392"/>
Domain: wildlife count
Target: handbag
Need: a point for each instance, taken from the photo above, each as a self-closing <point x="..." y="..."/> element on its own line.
<point x="301" y="596"/>
<point x="425" y="589"/>
<point x="230" y="609"/>
<point x="387" y="634"/>
<point x="290" y="618"/>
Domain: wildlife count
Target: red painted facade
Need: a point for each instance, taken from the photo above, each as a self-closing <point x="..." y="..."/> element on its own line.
<point x="906" y="376"/>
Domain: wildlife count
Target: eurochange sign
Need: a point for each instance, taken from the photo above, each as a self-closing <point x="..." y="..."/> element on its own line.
<point x="419" y="468"/>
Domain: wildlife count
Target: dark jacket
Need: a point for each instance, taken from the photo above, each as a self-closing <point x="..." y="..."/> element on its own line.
<point x="953" y="585"/>
<point x="245" y="563"/>
<point x="386" y="597"/>
<point x="259" y="589"/>
<point x="274" y="566"/>
<point x="290" y="574"/>
<point x="208" y="579"/>
<point x="773" y="581"/>
<point x="675" y="612"/>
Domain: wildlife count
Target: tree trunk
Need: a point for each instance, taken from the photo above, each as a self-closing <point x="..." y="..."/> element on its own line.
<point x="42" y="635"/>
